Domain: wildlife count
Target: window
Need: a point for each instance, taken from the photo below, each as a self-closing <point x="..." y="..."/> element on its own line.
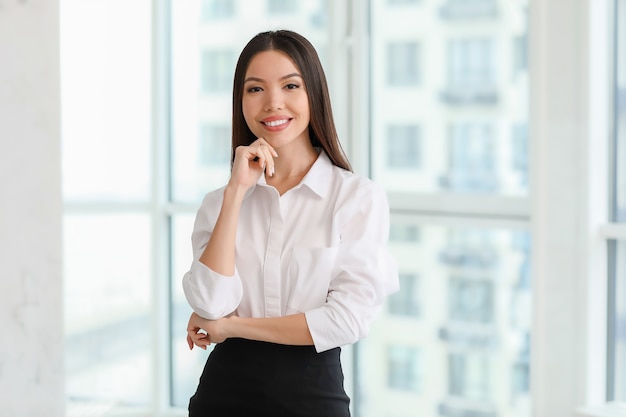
<point x="404" y="368"/>
<point x="471" y="63"/>
<point x="107" y="224"/>
<point x="487" y="315"/>
<point x="402" y="2"/>
<point x="469" y="376"/>
<point x="403" y="62"/>
<point x="471" y="164"/>
<point x="471" y="284"/>
<point x="468" y="9"/>
<point x="519" y="152"/>
<point x="218" y="67"/>
<point x="282" y="6"/>
<point x="214" y="148"/>
<point x="520" y="51"/>
<point x="470" y="300"/>
<point x="521" y="370"/>
<point x="406" y="302"/>
<point x="217" y="9"/>
<point x="403" y="147"/>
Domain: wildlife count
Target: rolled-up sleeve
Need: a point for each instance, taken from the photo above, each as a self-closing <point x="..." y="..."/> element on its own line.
<point x="210" y="295"/>
<point x="364" y="274"/>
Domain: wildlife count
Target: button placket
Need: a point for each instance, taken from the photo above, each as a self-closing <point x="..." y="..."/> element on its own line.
<point x="272" y="266"/>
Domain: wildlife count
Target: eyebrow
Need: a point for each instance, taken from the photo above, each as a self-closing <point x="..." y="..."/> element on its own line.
<point x="284" y="77"/>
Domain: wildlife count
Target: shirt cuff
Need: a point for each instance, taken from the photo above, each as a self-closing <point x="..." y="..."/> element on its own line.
<point x="211" y="295"/>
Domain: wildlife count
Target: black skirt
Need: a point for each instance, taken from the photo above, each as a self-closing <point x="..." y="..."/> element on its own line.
<point x="249" y="378"/>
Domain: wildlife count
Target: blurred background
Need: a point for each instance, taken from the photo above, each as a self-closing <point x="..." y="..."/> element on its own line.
<point x="505" y="171"/>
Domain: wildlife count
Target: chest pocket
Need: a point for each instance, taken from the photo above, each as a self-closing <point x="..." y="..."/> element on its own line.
<point x="310" y="272"/>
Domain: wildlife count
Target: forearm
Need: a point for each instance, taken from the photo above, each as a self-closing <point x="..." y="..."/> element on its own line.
<point x="287" y="330"/>
<point x="219" y="254"/>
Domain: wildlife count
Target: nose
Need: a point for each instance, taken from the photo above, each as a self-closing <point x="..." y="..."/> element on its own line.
<point x="275" y="100"/>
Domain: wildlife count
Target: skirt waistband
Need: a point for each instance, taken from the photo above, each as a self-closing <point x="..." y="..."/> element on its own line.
<point x="262" y="351"/>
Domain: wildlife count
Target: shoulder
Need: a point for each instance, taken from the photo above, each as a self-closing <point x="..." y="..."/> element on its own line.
<point x="357" y="187"/>
<point x="214" y="197"/>
<point x="210" y="206"/>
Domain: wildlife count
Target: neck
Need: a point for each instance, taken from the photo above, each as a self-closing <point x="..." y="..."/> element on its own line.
<point x="290" y="168"/>
<point x="294" y="163"/>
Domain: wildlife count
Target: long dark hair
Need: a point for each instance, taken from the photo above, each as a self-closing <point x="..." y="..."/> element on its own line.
<point x="322" y="131"/>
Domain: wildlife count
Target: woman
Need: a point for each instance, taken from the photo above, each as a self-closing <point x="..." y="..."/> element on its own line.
<point x="289" y="257"/>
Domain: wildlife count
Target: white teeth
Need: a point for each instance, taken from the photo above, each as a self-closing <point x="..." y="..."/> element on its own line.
<point x="276" y="122"/>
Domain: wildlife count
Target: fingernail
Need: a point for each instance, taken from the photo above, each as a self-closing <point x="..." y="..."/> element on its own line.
<point x="272" y="172"/>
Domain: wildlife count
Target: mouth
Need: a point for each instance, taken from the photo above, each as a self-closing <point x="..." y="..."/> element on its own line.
<point x="275" y="123"/>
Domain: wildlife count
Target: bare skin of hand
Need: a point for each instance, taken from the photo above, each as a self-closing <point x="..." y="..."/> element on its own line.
<point x="202" y="332"/>
<point x="287" y="330"/>
<point x="251" y="161"/>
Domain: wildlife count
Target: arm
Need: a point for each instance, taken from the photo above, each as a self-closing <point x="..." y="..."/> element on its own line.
<point x="212" y="285"/>
<point x="249" y="164"/>
<point x="287" y="330"/>
<point x="219" y="254"/>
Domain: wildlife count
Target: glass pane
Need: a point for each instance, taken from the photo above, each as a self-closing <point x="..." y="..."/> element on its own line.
<point x="207" y="37"/>
<point x="455" y="340"/>
<point x="186" y="365"/>
<point x="108" y="318"/>
<point x="620" y="114"/>
<point x="617" y="369"/>
<point x="106" y="100"/>
<point x="458" y="79"/>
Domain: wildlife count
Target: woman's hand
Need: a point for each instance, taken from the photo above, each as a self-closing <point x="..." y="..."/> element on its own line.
<point x="202" y="332"/>
<point x="250" y="162"/>
<point x="195" y="332"/>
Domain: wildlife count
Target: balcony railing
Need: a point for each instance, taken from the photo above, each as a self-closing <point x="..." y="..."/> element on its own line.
<point x="460" y="96"/>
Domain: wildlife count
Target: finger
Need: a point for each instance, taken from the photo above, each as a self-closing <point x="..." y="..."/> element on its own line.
<point x="257" y="155"/>
<point x="267" y="157"/>
<point x="190" y="342"/>
<point x="199" y="339"/>
<point x="263" y="142"/>
<point x="202" y="342"/>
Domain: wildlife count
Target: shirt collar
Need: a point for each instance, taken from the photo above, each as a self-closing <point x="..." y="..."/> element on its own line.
<point x="317" y="179"/>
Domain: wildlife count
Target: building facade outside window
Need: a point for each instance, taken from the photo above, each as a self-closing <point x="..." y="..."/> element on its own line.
<point x="217" y="71"/>
<point x="405" y="369"/>
<point x="217" y="9"/>
<point x="403" y="147"/>
<point x="403" y="63"/>
<point x="214" y="145"/>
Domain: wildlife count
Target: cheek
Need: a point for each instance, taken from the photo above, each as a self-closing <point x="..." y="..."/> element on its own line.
<point x="248" y="115"/>
<point x="305" y="110"/>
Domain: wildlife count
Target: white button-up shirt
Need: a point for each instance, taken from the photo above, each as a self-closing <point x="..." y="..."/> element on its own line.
<point x="318" y="249"/>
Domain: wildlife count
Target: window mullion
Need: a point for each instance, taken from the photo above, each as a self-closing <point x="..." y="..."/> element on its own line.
<point x="160" y="195"/>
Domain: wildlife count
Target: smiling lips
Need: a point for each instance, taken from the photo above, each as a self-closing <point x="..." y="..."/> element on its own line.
<point x="275" y="124"/>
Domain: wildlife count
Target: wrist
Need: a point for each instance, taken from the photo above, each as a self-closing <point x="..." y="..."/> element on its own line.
<point x="235" y="190"/>
<point x="229" y="326"/>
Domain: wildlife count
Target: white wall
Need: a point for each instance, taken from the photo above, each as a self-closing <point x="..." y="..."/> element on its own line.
<point x="31" y="309"/>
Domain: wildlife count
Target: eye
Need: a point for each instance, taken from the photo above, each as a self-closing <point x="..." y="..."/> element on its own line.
<point x="254" y="89"/>
<point x="292" y="86"/>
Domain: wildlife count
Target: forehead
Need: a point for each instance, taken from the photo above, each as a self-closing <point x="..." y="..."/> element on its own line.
<point x="271" y="64"/>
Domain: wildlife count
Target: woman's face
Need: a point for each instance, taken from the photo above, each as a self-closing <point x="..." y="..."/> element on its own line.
<point x="275" y="102"/>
